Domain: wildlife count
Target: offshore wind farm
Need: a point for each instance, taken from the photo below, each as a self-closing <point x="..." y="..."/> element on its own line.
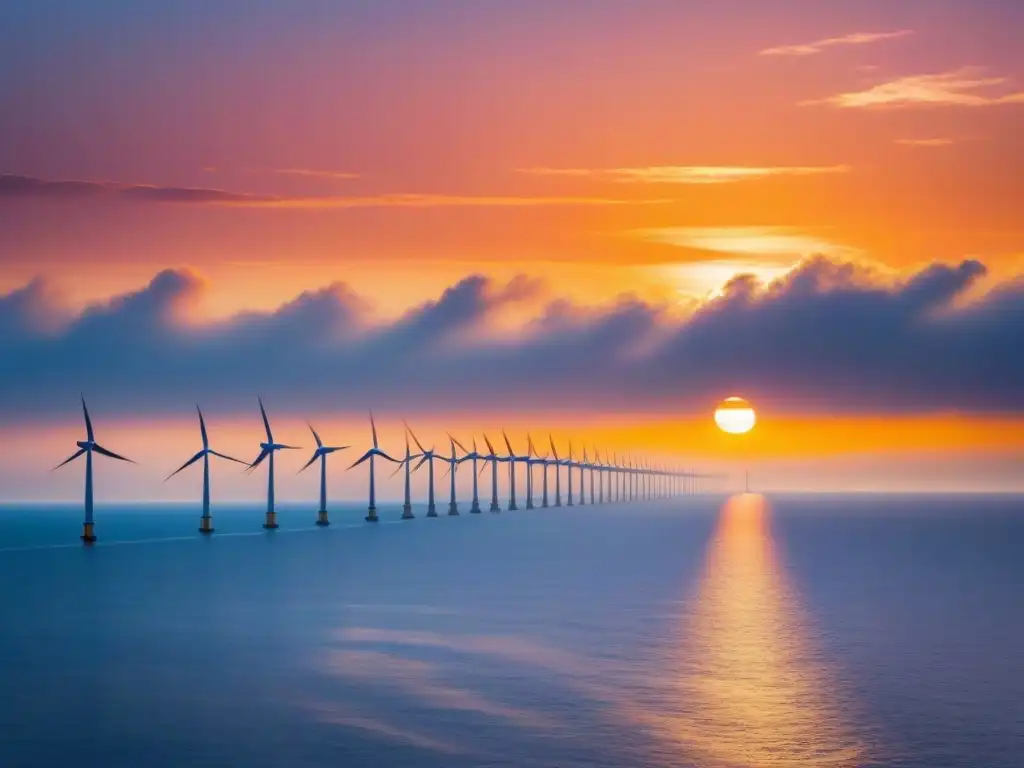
<point x="644" y="482"/>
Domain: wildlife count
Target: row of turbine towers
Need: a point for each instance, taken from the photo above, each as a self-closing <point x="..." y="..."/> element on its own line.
<point x="610" y="480"/>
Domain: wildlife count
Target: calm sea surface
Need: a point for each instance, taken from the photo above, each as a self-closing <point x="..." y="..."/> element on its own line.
<point x="789" y="631"/>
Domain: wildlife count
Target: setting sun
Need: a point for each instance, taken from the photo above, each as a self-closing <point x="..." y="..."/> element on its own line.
<point x="735" y="416"/>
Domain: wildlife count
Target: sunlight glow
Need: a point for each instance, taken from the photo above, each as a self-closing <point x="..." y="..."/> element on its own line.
<point x="735" y="416"/>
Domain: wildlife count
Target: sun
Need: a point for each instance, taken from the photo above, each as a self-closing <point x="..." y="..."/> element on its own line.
<point x="735" y="416"/>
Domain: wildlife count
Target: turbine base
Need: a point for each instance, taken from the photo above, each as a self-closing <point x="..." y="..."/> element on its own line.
<point x="321" y="518"/>
<point x="475" y="509"/>
<point x="88" y="533"/>
<point x="407" y="512"/>
<point x="431" y="510"/>
<point x="271" y="522"/>
<point x="371" y="515"/>
<point x="453" y="509"/>
<point x="512" y="507"/>
<point x="529" y="505"/>
<point x="206" y="524"/>
<point x="495" y="507"/>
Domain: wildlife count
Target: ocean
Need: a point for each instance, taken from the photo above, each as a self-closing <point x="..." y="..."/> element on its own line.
<point x="843" y="630"/>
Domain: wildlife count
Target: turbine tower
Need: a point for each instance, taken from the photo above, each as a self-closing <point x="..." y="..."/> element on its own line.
<point x="512" y="459"/>
<point x="371" y="511"/>
<point x="206" y="521"/>
<point x="406" y="462"/>
<point x="321" y="454"/>
<point x="427" y="457"/>
<point x="493" y="458"/>
<point x="584" y="465"/>
<point x="88" y="447"/>
<point x="558" y="476"/>
<point x="453" y="463"/>
<point x="473" y="456"/>
<point x="269" y="448"/>
<point x="532" y="458"/>
<point x="569" y="461"/>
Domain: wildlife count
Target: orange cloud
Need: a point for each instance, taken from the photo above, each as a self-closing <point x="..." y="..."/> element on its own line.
<point x="689" y="174"/>
<point x="925" y="142"/>
<point x="964" y="87"/>
<point x="746" y="241"/>
<point x="856" y="38"/>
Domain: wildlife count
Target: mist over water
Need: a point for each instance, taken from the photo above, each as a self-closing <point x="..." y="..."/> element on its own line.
<point x="792" y="631"/>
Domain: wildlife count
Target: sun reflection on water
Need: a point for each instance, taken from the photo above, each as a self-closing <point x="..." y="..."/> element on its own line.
<point x="745" y="670"/>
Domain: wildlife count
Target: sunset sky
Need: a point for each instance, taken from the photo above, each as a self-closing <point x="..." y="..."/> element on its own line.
<point x="560" y="217"/>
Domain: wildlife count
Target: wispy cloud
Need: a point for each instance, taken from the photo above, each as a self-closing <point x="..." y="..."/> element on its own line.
<point x="925" y="142"/>
<point x="818" y="46"/>
<point x="14" y="186"/>
<point x="964" y="87"/>
<point x="787" y="242"/>
<point x="690" y="174"/>
<point x="313" y="173"/>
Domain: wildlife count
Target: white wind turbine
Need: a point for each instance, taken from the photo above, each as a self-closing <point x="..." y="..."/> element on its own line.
<point x="206" y="521"/>
<point x="88" y="447"/>
<point x="558" y="477"/>
<point x="473" y="456"/>
<point x="321" y="453"/>
<point x="407" y="462"/>
<point x="427" y="457"/>
<point x="493" y="458"/>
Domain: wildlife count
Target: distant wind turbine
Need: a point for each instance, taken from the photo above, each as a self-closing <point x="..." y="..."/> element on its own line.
<point x="453" y="463"/>
<point x="406" y="463"/>
<point x="569" y="462"/>
<point x="206" y="521"/>
<point x="268" y="449"/>
<point x="427" y="457"/>
<point x="473" y="456"/>
<point x="321" y="453"/>
<point x="88" y="447"/>
<point x="532" y="458"/>
<point x="512" y="459"/>
<point x="558" y="477"/>
<point x="493" y="458"/>
<point x="371" y="510"/>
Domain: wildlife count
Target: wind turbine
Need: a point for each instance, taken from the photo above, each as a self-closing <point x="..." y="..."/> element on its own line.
<point x="512" y="459"/>
<point x="584" y="465"/>
<point x="473" y="456"/>
<point x="568" y="473"/>
<point x="428" y="457"/>
<point x="321" y="453"/>
<point x="88" y="447"/>
<point x="532" y="457"/>
<point x="597" y="467"/>
<point x="406" y="462"/>
<point x="494" y="459"/>
<point x="206" y="521"/>
<point x="558" y="476"/>
<point x="371" y="510"/>
<point x="453" y="463"/>
<point x="269" y="448"/>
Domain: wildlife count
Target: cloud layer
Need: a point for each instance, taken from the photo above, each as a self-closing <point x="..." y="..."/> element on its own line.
<point x="964" y="87"/>
<point x="689" y="174"/>
<point x="13" y="186"/>
<point x="829" y="335"/>
<point x="819" y="46"/>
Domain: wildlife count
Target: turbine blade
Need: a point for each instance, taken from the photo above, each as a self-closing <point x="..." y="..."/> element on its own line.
<point x="425" y="458"/>
<point x="88" y="421"/>
<point x="373" y="428"/>
<point x="70" y="458"/>
<point x="229" y="458"/>
<point x="482" y="468"/>
<point x="319" y="442"/>
<point x="398" y="468"/>
<point x="474" y="445"/>
<point x="447" y="471"/>
<point x="259" y="460"/>
<point x="188" y="463"/>
<point x="202" y="428"/>
<point x="290" y="447"/>
<point x="309" y="463"/>
<point x="416" y="440"/>
<point x="266" y="421"/>
<point x="551" y="442"/>
<point x="361" y="459"/>
<point x="336" y="448"/>
<point x="508" y="444"/>
<point x="489" y="446"/>
<point x="461" y="446"/>
<point x="104" y="452"/>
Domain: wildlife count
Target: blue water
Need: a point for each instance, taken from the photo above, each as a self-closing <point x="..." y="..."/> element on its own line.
<point x="792" y="631"/>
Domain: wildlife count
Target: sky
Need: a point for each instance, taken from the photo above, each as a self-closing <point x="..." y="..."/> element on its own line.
<point x="593" y="221"/>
